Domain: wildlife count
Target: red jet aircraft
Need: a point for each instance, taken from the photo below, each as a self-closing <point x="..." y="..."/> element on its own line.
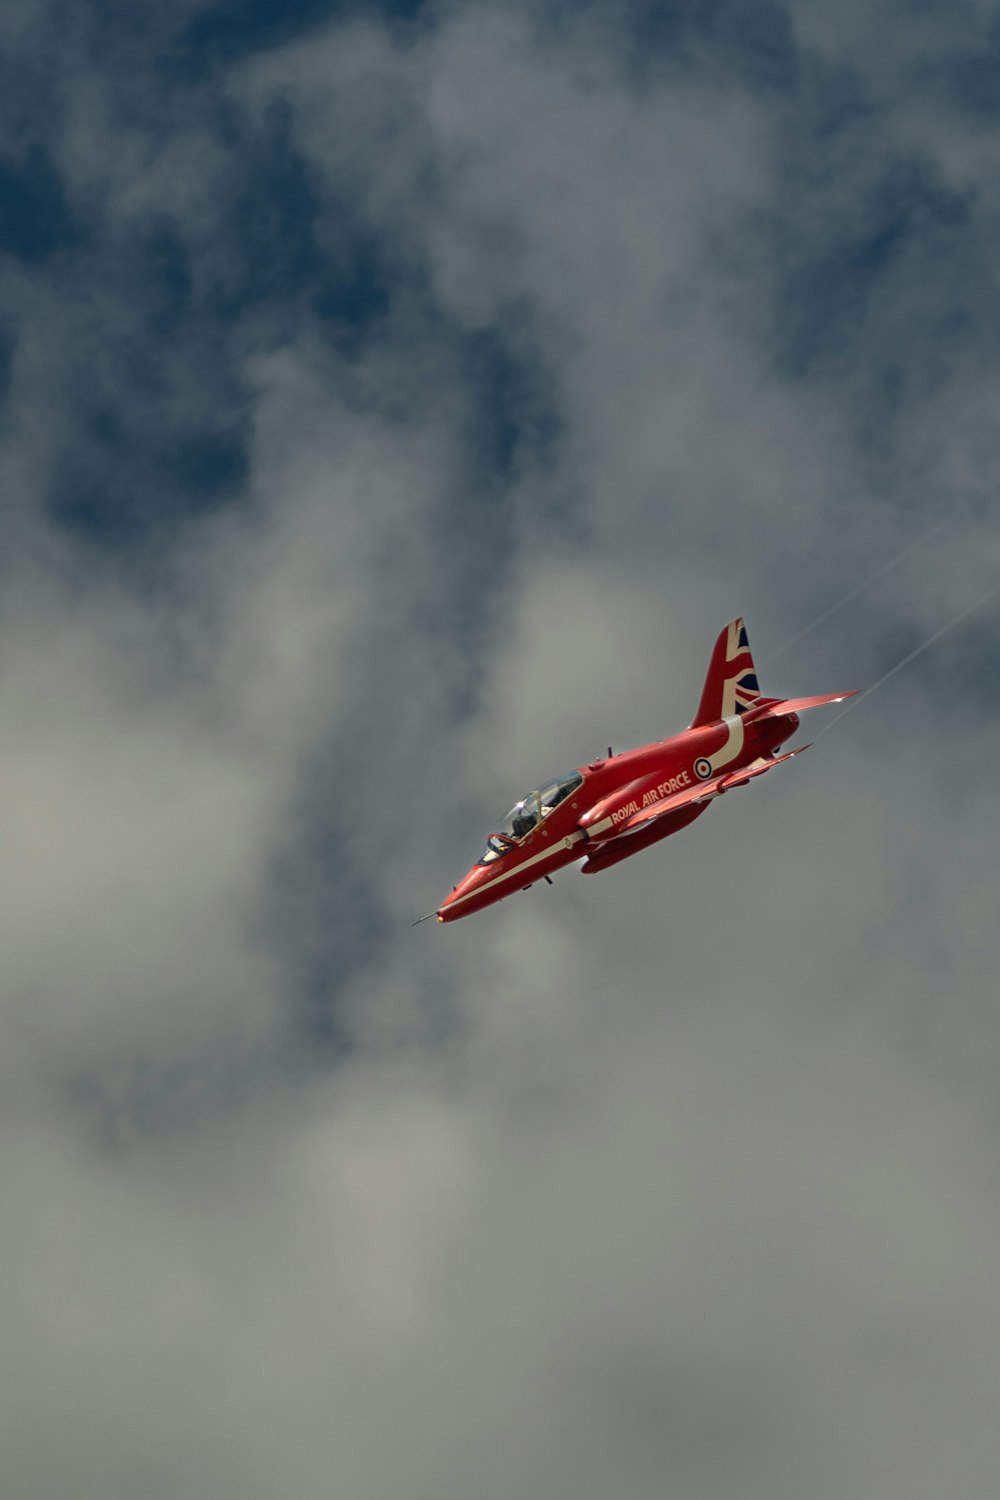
<point x="612" y="808"/>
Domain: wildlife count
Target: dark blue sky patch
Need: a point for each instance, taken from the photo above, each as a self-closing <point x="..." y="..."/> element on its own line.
<point x="206" y="465"/>
<point x="35" y="221"/>
<point x="512" y="425"/>
<point x="830" y="106"/>
<point x="976" y="84"/>
<point x="270" y="220"/>
<point x="749" y="41"/>
<point x="153" y="429"/>
<point x="513" y="418"/>
<point x="354" y="291"/>
<point x="154" y="433"/>
<point x="836" y="245"/>
<point x="31" y="102"/>
<point x="120" y="488"/>
<point x="909" y="204"/>
<point x="276" y="252"/>
<point x="167" y="279"/>
<point x="232" y="29"/>
<point x="964" y="80"/>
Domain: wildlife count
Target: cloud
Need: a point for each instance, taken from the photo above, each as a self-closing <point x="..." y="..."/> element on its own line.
<point x="399" y="412"/>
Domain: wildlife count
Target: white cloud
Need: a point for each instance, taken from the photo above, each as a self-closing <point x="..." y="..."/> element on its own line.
<point x="680" y="1178"/>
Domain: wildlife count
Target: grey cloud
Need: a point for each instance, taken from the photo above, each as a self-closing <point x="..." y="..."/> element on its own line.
<point x="680" y="1179"/>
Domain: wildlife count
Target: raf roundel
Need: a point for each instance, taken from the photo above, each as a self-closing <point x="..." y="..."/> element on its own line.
<point x="702" y="768"/>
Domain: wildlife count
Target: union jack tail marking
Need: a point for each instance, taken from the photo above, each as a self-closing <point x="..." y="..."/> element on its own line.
<point x="731" y="686"/>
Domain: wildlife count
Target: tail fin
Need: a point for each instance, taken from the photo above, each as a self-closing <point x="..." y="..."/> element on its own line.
<point x="731" y="686"/>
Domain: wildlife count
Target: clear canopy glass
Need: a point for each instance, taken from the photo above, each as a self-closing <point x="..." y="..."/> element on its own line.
<point x="527" y="814"/>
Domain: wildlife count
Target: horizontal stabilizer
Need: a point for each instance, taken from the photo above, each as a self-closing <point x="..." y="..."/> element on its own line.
<point x="777" y="708"/>
<point x="758" y="767"/>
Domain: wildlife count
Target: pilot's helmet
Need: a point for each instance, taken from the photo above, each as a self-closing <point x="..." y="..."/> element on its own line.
<point x="524" y="821"/>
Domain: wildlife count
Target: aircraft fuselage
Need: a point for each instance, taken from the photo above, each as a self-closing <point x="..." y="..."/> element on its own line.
<point x="592" y="824"/>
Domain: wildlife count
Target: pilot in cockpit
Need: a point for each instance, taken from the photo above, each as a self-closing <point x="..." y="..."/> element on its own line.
<point x="526" y="815"/>
<point x="524" y="819"/>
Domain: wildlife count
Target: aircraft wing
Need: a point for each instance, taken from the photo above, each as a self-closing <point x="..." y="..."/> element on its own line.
<point x="704" y="791"/>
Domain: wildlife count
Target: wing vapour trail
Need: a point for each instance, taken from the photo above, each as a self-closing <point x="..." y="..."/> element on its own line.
<point x="912" y="656"/>
<point x="859" y="588"/>
<point x="880" y="572"/>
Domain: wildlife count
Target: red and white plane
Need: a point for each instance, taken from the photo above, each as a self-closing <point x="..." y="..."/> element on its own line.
<point x="610" y="809"/>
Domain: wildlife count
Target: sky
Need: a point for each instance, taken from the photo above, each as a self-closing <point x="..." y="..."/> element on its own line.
<point x="395" y="401"/>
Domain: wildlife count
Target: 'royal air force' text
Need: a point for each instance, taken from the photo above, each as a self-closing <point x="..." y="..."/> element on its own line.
<point x="655" y="794"/>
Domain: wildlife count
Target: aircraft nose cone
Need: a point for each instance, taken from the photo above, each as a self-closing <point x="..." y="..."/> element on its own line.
<point x="453" y="905"/>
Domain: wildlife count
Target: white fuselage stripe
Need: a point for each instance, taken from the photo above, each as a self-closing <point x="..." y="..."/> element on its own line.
<point x="733" y="743"/>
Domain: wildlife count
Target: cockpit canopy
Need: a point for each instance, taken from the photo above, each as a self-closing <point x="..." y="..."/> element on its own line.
<point x="527" y="813"/>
